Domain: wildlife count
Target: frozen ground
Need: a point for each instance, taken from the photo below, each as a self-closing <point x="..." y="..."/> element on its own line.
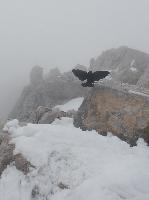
<point x="75" y="165"/>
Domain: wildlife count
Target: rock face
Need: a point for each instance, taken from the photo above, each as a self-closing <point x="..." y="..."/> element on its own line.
<point x="44" y="115"/>
<point x="39" y="113"/>
<point x="124" y="114"/>
<point x="126" y="65"/>
<point x="144" y="79"/>
<point x="36" y="75"/>
<point x="6" y="152"/>
<point x="52" y="90"/>
<point x="7" y="156"/>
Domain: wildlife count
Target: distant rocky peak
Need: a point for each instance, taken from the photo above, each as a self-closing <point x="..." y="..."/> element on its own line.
<point x="53" y="74"/>
<point x="113" y="57"/>
<point x="81" y="67"/>
<point x="126" y="65"/>
<point x="36" y="75"/>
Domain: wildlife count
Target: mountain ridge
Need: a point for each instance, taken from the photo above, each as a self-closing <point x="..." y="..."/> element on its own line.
<point x="128" y="66"/>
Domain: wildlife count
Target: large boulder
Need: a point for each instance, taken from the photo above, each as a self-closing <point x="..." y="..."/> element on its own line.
<point x="122" y="113"/>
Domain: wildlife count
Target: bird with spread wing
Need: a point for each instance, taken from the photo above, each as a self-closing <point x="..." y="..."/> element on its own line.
<point x="90" y="76"/>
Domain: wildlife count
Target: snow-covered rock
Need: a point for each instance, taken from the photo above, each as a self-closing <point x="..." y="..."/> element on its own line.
<point x="71" y="164"/>
<point x="7" y="157"/>
<point x="11" y="126"/>
<point x="133" y="69"/>
<point x="44" y="115"/>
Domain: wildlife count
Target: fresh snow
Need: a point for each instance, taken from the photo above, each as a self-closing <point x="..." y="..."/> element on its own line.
<point x="139" y="93"/>
<point x="132" y="63"/>
<point x="71" y="164"/>
<point x="132" y="68"/>
<point x="73" y="104"/>
<point x="11" y="126"/>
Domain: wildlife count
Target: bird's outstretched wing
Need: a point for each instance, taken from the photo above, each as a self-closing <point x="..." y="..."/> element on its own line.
<point x="100" y="75"/>
<point x="82" y="75"/>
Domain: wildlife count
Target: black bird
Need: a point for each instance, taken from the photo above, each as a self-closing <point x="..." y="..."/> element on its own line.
<point x="90" y="76"/>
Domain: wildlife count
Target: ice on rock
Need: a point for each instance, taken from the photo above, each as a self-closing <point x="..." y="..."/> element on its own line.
<point x="11" y="126"/>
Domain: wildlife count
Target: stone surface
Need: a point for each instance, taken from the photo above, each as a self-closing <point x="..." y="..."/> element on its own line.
<point x="49" y="117"/>
<point x="6" y="152"/>
<point x="45" y="115"/>
<point x="144" y="79"/>
<point x="22" y="164"/>
<point x="7" y="156"/>
<point x="39" y="113"/>
<point x="124" y="114"/>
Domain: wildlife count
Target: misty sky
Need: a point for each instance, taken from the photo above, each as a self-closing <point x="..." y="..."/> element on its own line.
<point x="62" y="33"/>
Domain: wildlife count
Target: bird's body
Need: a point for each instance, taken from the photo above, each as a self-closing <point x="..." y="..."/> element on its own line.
<point x="90" y="76"/>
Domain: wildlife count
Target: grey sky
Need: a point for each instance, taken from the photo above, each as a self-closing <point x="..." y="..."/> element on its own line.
<point x="63" y="33"/>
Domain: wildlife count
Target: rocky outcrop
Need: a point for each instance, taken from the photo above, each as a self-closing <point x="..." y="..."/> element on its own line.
<point x="39" y="113"/>
<point x="36" y="75"/>
<point x="124" y="114"/>
<point x="50" y="117"/>
<point x="6" y="152"/>
<point x="144" y="79"/>
<point x="47" y="92"/>
<point x="126" y="65"/>
<point x="7" y="157"/>
<point x="44" y="115"/>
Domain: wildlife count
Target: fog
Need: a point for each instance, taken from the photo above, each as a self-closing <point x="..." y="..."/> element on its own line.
<point x="62" y="33"/>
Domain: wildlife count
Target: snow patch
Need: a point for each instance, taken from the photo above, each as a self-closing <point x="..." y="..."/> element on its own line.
<point x="132" y="66"/>
<point x="132" y="63"/>
<point x="133" y="69"/>
<point x="73" y="104"/>
<point x="11" y="126"/>
<point x="139" y="93"/>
